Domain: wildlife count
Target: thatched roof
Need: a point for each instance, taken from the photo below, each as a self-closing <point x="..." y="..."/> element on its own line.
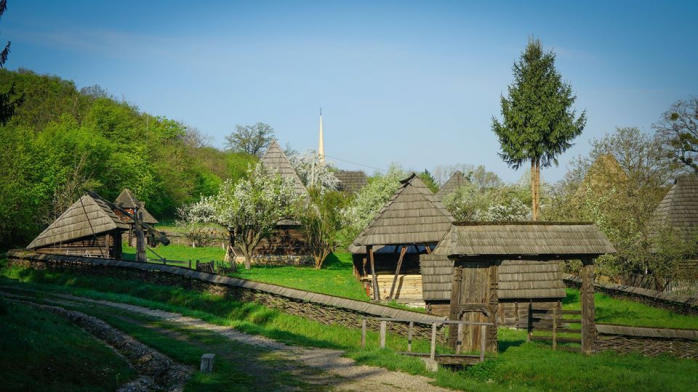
<point x="127" y="199"/>
<point x="456" y="181"/>
<point x="518" y="279"/>
<point x="679" y="208"/>
<point x="351" y="181"/>
<point x="275" y="159"/>
<point x="85" y="218"/>
<point x="411" y="216"/>
<point x="528" y="239"/>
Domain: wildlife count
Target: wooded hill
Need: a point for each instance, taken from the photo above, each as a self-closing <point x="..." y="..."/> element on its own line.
<point x="63" y="140"/>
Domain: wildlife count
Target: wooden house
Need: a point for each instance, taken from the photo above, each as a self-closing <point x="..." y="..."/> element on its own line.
<point x="128" y="201"/>
<point x="287" y="239"/>
<point x="456" y="181"/>
<point x="479" y="250"/>
<point x="351" y="181"/>
<point x="88" y="228"/>
<point x="411" y="223"/>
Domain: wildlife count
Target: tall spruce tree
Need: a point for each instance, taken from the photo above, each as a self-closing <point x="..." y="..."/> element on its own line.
<point x="538" y="120"/>
<point x="8" y="103"/>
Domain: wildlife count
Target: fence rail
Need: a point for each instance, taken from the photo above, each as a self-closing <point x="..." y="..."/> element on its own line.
<point x="553" y="321"/>
<point x="449" y="359"/>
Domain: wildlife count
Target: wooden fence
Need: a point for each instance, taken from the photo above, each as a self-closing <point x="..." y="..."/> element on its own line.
<point x="444" y="359"/>
<point x="552" y="322"/>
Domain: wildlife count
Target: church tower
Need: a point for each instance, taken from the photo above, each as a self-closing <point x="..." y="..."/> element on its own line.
<point x="321" y="144"/>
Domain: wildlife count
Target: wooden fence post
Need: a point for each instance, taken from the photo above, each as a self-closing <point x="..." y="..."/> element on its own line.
<point x="587" y="294"/>
<point x="383" y="328"/>
<point x="459" y="339"/>
<point x="363" y="333"/>
<point x="483" y="342"/>
<point x="433" y="341"/>
<point x="409" y="337"/>
<point x="554" y="327"/>
<point x="530" y="321"/>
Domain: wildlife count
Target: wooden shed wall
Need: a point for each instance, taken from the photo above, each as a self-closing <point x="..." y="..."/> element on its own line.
<point x="88" y="247"/>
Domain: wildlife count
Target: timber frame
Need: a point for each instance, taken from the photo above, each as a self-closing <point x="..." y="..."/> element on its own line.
<point x="478" y="250"/>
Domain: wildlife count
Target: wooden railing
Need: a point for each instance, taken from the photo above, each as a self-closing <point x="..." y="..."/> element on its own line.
<point x="450" y="359"/>
<point x="552" y="321"/>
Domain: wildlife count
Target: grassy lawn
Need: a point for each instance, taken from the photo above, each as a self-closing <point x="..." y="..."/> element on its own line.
<point x="620" y="311"/>
<point x="519" y="366"/>
<point x="40" y="351"/>
<point x="335" y="277"/>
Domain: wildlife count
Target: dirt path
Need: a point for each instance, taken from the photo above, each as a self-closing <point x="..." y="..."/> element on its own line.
<point x="347" y="374"/>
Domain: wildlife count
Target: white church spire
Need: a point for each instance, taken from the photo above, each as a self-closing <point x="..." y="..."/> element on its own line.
<point x="321" y="144"/>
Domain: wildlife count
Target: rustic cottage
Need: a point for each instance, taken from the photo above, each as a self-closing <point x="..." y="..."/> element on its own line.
<point x="88" y="228"/>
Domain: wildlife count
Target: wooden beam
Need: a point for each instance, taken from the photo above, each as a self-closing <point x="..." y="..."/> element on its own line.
<point x="493" y="303"/>
<point x="409" y="337"/>
<point x="454" y="310"/>
<point x="376" y="294"/>
<point x="588" y="311"/>
<point x="433" y="342"/>
<point x="397" y="271"/>
<point x="363" y="333"/>
<point x="384" y="325"/>
<point x="427" y="248"/>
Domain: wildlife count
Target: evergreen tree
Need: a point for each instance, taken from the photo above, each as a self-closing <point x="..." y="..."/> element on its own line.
<point x="8" y="102"/>
<point x="538" y="120"/>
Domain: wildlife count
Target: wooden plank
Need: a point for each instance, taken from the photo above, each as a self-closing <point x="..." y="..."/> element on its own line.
<point x="376" y="295"/>
<point x="483" y="342"/>
<point x="397" y="271"/>
<point x="588" y="312"/>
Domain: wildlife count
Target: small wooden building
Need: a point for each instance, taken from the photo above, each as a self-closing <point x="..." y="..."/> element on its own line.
<point x="128" y="201"/>
<point x="88" y="228"/>
<point x="287" y="240"/>
<point x="411" y="222"/>
<point x="478" y="251"/>
<point x="521" y="282"/>
<point x="456" y="181"/>
<point x="351" y="181"/>
<point x="678" y="211"/>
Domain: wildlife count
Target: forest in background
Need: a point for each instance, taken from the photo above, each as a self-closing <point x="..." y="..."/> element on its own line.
<point x="63" y="140"/>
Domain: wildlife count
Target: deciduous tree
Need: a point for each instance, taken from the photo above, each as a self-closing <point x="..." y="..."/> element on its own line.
<point x="252" y="139"/>
<point x="679" y="129"/>
<point x="538" y="122"/>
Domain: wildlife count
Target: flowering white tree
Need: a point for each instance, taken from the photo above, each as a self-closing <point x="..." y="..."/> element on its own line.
<point x="312" y="172"/>
<point x="369" y="201"/>
<point x="250" y="209"/>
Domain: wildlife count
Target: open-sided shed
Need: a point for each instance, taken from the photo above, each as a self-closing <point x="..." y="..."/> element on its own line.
<point x="411" y="219"/>
<point x="478" y="250"/>
<point x="521" y="282"/>
<point x="87" y="228"/>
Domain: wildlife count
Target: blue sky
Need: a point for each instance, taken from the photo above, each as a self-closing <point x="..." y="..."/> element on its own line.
<point x="410" y="82"/>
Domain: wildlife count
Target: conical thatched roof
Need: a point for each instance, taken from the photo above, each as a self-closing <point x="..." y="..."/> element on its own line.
<point x="275" y="159"/>
<point x="679" y="208"/>
<point x="127" y="199"/>
<point x="85" y="218"/>
<point x="604" y="173"/>
<point x="456" y="181"/>
<point x="411" y="216"/>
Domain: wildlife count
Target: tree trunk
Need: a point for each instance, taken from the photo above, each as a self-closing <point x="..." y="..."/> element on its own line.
<point x="535" y="187"/>
<point x="248" y="261"/>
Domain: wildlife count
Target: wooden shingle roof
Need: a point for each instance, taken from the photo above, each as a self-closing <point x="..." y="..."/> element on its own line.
<point x="351" y="181"/>
<point x="679" y="208"/>
<point x="275" y="159"/>
<point x="518" y="279"/>
<point x="85" y="218"/>
<point x="456" y="181"/>
<point x="528" y="239"/>
<point x="127" y="199"/>
<point x="411" y="216"/>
